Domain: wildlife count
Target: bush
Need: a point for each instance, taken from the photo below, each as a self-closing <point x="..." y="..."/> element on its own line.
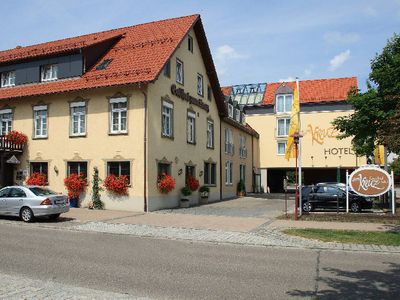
<point x="165" y="183"/>
<point x="204" y="189"/>
<point x="37" y="179"/>
<point x="117" y="184"/>
<point x="241" y="187"/>
<point x="75" y="184"/>
<point x="186" y="191"/>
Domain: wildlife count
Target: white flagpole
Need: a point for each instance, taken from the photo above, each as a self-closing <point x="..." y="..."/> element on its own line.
<point x="299" y="152"/>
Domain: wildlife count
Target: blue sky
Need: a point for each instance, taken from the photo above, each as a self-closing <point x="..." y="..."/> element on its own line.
<point x="251" y="41"/>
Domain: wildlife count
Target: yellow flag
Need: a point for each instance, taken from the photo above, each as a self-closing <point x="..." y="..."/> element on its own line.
<point x="294" y="125"/>
<point x="379" y="155"/>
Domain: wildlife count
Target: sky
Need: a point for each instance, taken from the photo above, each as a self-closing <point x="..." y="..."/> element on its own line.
<point x="251" y="41"/>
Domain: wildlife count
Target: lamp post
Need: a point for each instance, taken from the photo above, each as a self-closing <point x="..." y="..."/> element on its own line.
<point x="296" y="140"/>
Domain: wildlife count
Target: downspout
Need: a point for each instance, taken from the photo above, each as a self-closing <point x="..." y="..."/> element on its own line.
<point x="146" y="208"/>
<point x="252" y="164"/>
<point x="220" y="159"/>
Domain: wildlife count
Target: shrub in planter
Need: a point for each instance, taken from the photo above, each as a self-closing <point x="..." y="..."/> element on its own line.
<point x="36" y="179"/>
<point x="117" y="184"/>
<point x="192" y="183"/>
<point x="186" y="191"/>
<point x="204" y="191"/>
<point x="241" y="188"/>
<point x="75" y="185"/>
<point x="16" y="137"/>
<point x="165" y="183"/>
<point x="185" y="201"/>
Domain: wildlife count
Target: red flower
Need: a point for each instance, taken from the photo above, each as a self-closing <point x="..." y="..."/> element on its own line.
<point x="36" y="179"/>
<point x="192" y="183"/>
<point x="117" y="185"/>
<point x="16" y="137"/>
<point x="75" y="184"/>
<point x="165" y="183"/>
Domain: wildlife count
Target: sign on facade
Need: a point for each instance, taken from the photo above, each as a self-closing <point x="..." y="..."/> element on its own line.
<point x="13" y="160"/>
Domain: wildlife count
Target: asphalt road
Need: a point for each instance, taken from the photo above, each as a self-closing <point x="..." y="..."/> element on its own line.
<point x="166" y="269"/>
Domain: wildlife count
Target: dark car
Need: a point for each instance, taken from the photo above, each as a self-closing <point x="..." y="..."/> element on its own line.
<point x="327" y="196"/>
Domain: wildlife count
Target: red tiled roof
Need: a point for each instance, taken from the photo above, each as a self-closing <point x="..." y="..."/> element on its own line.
<point x="318" y="90"/>
<point x="138" y="56"/>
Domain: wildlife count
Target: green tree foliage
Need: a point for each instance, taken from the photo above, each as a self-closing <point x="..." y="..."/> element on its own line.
<point x="374" y="110"/>
<point x="97" y="203"/>
<point x="395" y="167"/>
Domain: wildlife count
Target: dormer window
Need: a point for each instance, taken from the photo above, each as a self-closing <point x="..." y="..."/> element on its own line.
<point x="49" y="72"/>
<point x="230" y="110"/>
<point x="8" y="79"/>
<point x="243" y="119"/>
<point x="237" y="115"/>
<point x="283" y="103"/>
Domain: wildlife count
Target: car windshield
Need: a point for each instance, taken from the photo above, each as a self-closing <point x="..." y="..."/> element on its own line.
<point x="38" y="191"/>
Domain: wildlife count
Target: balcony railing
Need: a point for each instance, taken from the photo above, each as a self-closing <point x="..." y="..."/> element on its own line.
<point x="6" y="145"/>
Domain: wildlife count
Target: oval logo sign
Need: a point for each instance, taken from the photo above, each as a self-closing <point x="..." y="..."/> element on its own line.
<point x="370" y="181"/>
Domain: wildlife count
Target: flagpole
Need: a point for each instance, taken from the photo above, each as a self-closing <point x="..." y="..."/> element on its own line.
<point x="299" y="152"/>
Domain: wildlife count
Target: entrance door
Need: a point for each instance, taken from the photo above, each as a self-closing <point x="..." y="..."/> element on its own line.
<point x="6" y="173"/>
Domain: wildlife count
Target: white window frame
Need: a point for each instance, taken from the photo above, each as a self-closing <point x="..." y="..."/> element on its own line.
<point x="40" y="121"/>
<point x="179" y="71"/>
<point x="191" y="127"/>
<point x="6" y="118"/>
<point x="242" y="149"/>
<point x="284" y="148"/>
<point x="81" y="118"/>
<point x="200" y="85"/>
<point x="51" y="70"/>
<point x="210" y="134"/>
<point x="286" y="128"/>
<point x="230" y="110"/>
<point x="285" y="110"/>
<point x="243" y="118"/>
<point x="229" y="147"/>
<point x="237" y="115"/>
<point x="167" y="119"/>
<point x="120" y="111"/>
<point x="228" y="172"/>
<point x="8" y="79"/>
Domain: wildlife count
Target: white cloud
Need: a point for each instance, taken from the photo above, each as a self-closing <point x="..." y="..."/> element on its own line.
<point x="370" y="11"/>
<point x="289" y="79"/>
<point x="224" y="55"/>
<point x="335" y="37"/>
<point x="339" y="60"/>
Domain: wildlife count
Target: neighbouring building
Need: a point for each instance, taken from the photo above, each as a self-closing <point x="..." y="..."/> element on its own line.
<point x="324" y="157"/>
<point x="138" y="101"/>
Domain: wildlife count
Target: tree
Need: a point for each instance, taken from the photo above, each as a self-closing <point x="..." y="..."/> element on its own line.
<point x="97" y="203"/>
<point x="374" y="110"/>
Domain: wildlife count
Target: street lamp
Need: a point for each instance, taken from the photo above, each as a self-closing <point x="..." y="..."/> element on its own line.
<point x="296" y="139"/>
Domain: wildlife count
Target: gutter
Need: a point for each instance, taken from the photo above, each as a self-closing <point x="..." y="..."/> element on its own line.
<point x="145" y="138"/>
<point x="220" y="159"/>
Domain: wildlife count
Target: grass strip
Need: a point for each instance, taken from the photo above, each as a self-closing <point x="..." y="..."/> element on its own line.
<point x="348" y="236"/>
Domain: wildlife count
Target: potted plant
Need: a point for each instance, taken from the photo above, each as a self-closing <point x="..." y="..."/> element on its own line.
<point x="75" y="185"/>
<point x="204" y="193"/>
<point x="117" y="184"/>
<point x="16" y="137"/>
<point x="185" y="197"/>
<point x="36" y="179"/>
<point x="165" y="183"/>
<point x="192" y="183"/>
<point x="241" y="188"/>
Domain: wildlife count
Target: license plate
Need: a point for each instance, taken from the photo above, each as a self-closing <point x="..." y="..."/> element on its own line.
<point x="59" y="201"/>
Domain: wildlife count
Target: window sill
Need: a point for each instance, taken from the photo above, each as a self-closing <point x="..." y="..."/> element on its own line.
<point x="228" y="184"/>
<point x="40" y="138"/>
<point x="48" y="80"/>
<point x="211" y="148"/>
<point x="8" y="85"/>
<point x="191" y="143"/>
<point x="180" y="83"/>
<point x="118" y="133"/>
<point x="167" y="137"/>
<point x="210" y="185"/>
<point x="73" y="136"/>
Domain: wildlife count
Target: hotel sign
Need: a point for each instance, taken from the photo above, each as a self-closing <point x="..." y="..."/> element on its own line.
<point x="370" y="181"/>
<point x="180" y="93"/>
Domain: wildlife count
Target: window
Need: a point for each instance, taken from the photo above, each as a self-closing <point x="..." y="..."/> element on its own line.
<point x="243" y="119"/>
<point x="190" y="43"/>
<point x="242" y="170"/>
<point x="40" y="119"/>
<point x="200" y="89"/>
<point x="190" y="171"/>
<point x="104" y="64"/>
<point x="209" y="93"/>
<point x="8" y="79"/>
<point x="179" y="71"/>
<point x="6" y="121"/>
<point x="167" y="69"/>
<point x="163" y="168"/>
<point x="166" y="119"/>
<point x="210" y="173"/>
<point x="237" y="115"/>
<point x="49" y="72"/>
<point x="119" y="168"/>
<point x="191" y="127"/>
<point x="283" y="127"/>
<point x="243" y="149"/>
<point x="16" y="193"/>
<point x="210" y="134"/>
<point x="284" y="103"/>
<point x="119" y="108"/>
<point x="77" y="167"/>
<point x="39" y="167"/>
<point x="229" y="148"/>
<point x="281" y="148"/>
<point x="78" y="118"/>
<point x="228" y="172"/>
<point x="230" y="110"/>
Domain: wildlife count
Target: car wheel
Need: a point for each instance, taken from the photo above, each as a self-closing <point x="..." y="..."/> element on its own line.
<point x="355" y="207"/>
<point x="54" y="217"/>
<point x="307" y="207"/>
<point x="26" y="214"/>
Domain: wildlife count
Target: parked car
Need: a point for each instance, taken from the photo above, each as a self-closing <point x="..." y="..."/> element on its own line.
<point x="29" y="202"/>
<point x="327" y="196"/>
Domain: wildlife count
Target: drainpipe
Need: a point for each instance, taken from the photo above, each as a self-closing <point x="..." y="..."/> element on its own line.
<point x="220" y="159"/>
<point x="252" y="164"/>
<point x="146" y="208"/>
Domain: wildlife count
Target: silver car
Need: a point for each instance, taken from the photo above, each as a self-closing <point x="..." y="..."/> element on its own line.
<point x="29" y="202"/>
